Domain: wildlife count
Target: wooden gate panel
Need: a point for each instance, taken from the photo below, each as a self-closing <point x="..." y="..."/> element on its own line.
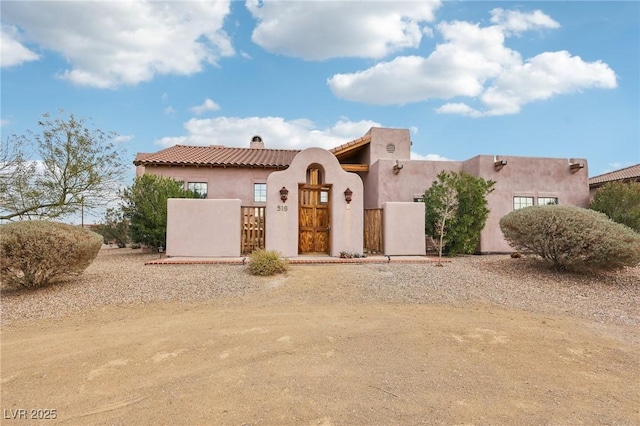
<point x="373" y="231"/>
<point x="252" y="229"/>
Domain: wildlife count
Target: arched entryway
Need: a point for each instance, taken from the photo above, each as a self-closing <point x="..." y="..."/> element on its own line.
<point x="314" y="213"/>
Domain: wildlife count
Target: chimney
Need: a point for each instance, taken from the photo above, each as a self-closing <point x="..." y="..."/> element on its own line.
<point x="257" y="143"/>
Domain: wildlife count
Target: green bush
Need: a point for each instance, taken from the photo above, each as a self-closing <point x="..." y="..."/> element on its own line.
<point x="469" y="216"/>
<point x="620" y="201"/>
<point x="37" y="253"/>
<point x="266" y="262"/>
<point x="145" y="208"/>
<point x="572" y="238"/>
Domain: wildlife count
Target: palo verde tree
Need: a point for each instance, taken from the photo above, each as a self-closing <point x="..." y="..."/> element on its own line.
<point x="620" y="201"/>
<point x="145" y="207"/>
<point x="67" y="166"/>
<point x="466" y="216"/>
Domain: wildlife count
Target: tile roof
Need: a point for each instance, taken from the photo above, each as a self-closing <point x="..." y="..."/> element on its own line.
<point x="184" y="155"/>
<point x="628" y="173"/>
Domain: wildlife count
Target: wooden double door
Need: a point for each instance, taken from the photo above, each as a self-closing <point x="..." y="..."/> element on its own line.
<point x="314" y="218"/>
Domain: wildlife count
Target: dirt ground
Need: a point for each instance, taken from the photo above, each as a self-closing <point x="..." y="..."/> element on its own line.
<point x="298" y="358"/>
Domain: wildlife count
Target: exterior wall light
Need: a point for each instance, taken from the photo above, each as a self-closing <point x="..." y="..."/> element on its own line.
<point x="347" y="195"/>
<point x="284" y="192"/>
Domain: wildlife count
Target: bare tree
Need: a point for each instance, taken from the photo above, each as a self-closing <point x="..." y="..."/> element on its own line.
<point x="445" y="211"/>
<point x="68" y="166"/>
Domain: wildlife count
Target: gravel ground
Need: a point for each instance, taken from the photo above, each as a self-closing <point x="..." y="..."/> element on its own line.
<point x="119" y="276"/>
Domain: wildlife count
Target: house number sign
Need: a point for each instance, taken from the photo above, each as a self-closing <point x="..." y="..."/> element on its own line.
<point x="282" y="208"/>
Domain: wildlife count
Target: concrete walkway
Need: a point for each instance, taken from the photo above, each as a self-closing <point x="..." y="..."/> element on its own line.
<point x="300" y="260"/>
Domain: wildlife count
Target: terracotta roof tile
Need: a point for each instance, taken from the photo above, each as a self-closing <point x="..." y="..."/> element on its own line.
<point x="628" y="173"/>
<point x="217" y="156"/>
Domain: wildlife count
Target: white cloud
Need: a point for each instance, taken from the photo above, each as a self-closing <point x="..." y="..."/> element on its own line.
<point x="428" y="157"/>
<point x="12" y="51"/>
<point x="169" y="110"/>
<point x="4" y="122"/>
<point x="276" y="132"/>
<point x="458" y="108"/>
<point x="123" y="138"/>
<point x="514" y="21"/>
<point x="208" y="105"/>
<point x="109" y="44"/>
<point x="318" y="30"/>
<point x="473" y="62"/>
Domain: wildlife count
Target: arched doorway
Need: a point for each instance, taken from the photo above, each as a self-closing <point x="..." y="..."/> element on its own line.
<point x="314" y="213"/>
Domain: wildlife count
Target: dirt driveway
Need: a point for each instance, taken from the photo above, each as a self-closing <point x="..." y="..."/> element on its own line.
<point x="306" y="355"/>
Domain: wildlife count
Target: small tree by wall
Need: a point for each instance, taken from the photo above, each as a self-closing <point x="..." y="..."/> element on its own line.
<point x="468" y="217"/>
<point x="145" y="206"/>
<point x="620" y="202"/>
<point x="445" y="211"/>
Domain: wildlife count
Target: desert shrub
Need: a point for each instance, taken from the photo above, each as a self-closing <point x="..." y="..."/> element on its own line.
<point x="572" y="238"/>
<point x="350" y="255"/>
<point x="620" y="201"/>
<point x="266" y="262"/>
<point x="37" y="253"/>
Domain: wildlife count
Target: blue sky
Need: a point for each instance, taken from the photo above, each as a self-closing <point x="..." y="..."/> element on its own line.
<point x="544" y="79"/>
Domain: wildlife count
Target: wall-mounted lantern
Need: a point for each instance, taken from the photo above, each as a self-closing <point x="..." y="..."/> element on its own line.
<point x="347" y="195"/>
<point x="284" y="192"/>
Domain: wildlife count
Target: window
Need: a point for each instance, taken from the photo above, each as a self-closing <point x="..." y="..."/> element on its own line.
<point x="545" y="201"/>
<point x="522" y="202"/>
<point x="199" y="188"/>
<point x="260" y="192"/>
<point x="324" y="197"/>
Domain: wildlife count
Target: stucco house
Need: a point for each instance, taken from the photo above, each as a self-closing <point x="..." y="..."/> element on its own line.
<point x="357" y="197"/>
<point x="627" y="174"/>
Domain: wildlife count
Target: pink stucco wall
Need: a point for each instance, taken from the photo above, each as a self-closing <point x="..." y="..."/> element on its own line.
<point x="381" y="138"/>
<point x="203" y="228"/>
<point x="411" y="181"/>
<point x="282" y="217"/>
<point x="222" y="183"/>
<point x="403" y="229"/>
<point x="527" y="177"/>
<point x="522" y="176"/>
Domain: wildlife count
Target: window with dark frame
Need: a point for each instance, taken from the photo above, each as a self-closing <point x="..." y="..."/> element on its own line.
<point x="547" y="201"/>
<point x="522" y="202"/>
<point x="200" y="188"/>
